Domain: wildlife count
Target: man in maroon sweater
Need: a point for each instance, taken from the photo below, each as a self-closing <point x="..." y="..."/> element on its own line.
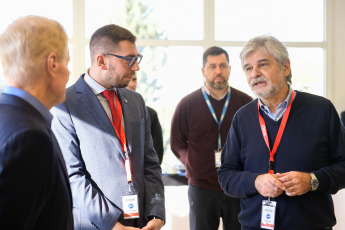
<point x="199" y="129"/>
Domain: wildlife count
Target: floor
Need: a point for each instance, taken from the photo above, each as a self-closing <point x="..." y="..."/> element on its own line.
<point x="177" y="208"/>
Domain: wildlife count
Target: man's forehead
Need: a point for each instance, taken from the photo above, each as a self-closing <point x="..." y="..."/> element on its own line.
<point x="127" y="47"/>
<point x="258" y="56"/>
<point x="216" y="58"/>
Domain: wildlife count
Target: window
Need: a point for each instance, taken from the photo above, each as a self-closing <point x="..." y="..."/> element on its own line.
<point x="173" y="34"/>
<point x="11" y="10"/>
<point x="297" y="21"/>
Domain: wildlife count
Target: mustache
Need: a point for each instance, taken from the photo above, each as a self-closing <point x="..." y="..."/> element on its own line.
<point x="257" y="80"/>
<point x="219" y="75"/>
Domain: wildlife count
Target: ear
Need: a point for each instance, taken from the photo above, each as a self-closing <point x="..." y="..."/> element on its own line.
<point x="101" y="61"/>
<point x="229" y="69"/>
<point x="203" y="71"/>
<point x="52" y="64"/>
<point x="286" y="68"/>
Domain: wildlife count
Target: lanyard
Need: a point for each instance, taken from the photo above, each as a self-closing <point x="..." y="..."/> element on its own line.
<point x="214" y="114"/>
<point x="279" y="134"/>
<point x="122" y="138"/>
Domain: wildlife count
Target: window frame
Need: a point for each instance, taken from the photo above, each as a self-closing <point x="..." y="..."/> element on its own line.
<point x="78" y="47"/>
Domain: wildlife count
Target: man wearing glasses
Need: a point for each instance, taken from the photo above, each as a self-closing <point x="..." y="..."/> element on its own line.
<point x="104" y="132"/>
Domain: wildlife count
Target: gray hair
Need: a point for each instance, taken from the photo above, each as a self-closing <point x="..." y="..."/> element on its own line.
<point x="268" y="44"/>
<point x="25" y="45"/>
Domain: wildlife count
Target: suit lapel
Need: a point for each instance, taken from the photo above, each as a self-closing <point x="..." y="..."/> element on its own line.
<point x="90" y="100"/>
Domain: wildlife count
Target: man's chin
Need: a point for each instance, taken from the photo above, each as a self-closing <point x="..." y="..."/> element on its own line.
<point x="220" y="86"/>
<point x="262" y="94"/>
<point x="122" y="85"/>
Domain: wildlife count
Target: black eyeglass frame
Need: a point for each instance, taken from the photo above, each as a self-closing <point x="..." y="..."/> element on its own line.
<point x="129" y="59"/>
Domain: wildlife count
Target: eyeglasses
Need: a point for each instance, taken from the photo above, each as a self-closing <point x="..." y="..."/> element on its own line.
<point x="131" y="60"/>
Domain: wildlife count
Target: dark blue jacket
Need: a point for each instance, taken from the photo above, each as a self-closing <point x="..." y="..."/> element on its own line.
<point x="34" y="187"/>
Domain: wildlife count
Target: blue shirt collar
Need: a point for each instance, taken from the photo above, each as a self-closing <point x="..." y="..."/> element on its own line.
<point x="280" y="109"/>
<point x="94" y="85"/>
<point x="208" y="92"/>
<point x="33" y="101"/>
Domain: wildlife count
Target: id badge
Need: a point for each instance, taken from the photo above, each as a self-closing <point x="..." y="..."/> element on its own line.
<point x="217" y="157"/>
<point x="130" y="204"/>
<point x="268" y="214"/>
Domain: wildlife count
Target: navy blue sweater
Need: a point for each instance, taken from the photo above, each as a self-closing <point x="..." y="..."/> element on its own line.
<point x="313" y="141"/>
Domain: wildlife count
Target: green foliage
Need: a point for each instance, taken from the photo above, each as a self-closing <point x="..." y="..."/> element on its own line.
<point x="137" y="17"/>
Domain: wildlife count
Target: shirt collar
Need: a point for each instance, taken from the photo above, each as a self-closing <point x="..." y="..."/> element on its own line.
<point x="280" y="108"/>
<point x="94" y="85"/>
<point x="208" y="92"/>
<point x="33" y="101"/>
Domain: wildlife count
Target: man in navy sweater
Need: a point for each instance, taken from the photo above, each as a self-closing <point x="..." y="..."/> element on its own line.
<point x="285" y="152"/>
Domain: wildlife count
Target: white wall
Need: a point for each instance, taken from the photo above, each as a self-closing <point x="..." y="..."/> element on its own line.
<point x="337" y="95"/>
<point x="338" y="59"/>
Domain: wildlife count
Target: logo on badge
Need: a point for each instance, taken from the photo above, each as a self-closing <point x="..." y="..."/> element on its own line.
<point x="268" y="216"/>
<point x="130" y="206"/>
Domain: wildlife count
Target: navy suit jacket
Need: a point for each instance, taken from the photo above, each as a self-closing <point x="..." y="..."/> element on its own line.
<point x="95" y="160"/>
<point x="34" y="188"/>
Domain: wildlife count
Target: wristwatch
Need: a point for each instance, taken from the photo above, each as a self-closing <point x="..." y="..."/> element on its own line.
<point x="314" y="182"/>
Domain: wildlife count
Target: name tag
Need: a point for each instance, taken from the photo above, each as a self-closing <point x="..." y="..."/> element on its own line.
<point x="268" y="214"/>
<point x="130" y="205"/>
<point x="217" y="157"/>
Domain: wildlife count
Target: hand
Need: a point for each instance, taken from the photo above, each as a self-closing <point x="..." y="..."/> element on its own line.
<point x="154" y="224"/>
<point x="296" y="183"/>
<point x="119" y="226"/>
<point x="268" y="185"/>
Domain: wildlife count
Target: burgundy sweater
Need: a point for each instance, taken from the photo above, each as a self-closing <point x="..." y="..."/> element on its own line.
<point x="194" y="135"/>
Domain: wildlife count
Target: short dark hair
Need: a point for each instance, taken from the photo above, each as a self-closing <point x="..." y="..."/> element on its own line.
<point x="214" y="51"/>
<point x="107" y="37"/>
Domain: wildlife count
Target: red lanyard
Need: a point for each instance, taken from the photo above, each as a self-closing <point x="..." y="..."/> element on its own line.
<point x="279" y="134"/>
<point x="122" y="137"/>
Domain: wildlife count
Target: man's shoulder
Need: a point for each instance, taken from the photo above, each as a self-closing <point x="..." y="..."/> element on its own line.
<point x="14" y="120"/>
<point x="192" y="97"/>
<point x="249" y="109"/>
<point x="76" y="90"/>
<point x="311" y="97"/>
<point x="151" y="111"/>
<point x="238" y="93"/>
<point x="128" y="95"/>
<point x="311" y="100"/>
<point x="129" y="92"/>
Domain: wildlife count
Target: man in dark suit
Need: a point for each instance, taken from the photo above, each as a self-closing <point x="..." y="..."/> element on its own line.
<point x="156" y="128"/>
<point x="107" y="146"/>
<point x="34" y="188"/>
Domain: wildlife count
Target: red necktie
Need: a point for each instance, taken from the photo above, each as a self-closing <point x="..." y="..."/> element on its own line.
<point x="116" y="113"/>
